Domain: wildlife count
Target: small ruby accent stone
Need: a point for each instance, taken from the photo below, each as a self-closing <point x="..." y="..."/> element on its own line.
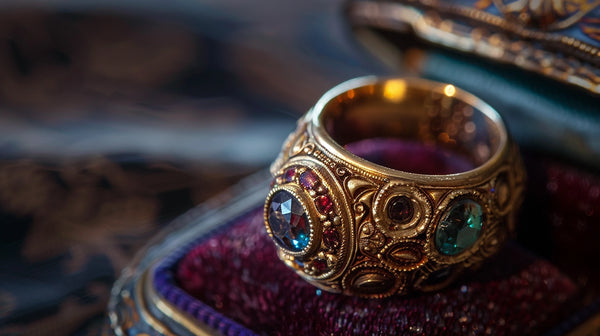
<point x="323" y="204"/>
<point x="400" y="209"/>
<point x="331" y="238"/>
<point x="309" y="179"/>
<point x="290" y="174"/>
<point x="319" y="265"/>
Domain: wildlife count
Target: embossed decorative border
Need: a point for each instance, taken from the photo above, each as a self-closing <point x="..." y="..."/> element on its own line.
<point x="478" y="32"/>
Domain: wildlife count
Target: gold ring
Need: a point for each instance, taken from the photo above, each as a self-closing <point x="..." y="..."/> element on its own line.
<point x="391" y="186"/>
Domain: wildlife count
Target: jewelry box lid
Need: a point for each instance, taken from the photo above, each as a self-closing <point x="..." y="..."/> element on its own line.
<point x="559" y="39"/>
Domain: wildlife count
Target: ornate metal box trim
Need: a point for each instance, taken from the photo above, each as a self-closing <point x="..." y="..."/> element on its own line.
<point x="558" y="39"/>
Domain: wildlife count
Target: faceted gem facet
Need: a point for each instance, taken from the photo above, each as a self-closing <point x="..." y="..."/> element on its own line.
<point x="400" y="209"/>
<point x="323" y="204"/>
<point x="331" y="238"/>
<point x="288" y="221"/>
<point x="319" y="266"/>
<point x="290" y="174"/>
<point x="460" y="227"/>
<point x="309" y="179"/>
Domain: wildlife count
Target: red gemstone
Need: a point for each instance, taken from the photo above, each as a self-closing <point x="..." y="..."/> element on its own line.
<point x="290" y="174"/>
<point x="400" y="209"/>
<point x="309" y="179"/>
<point x="331" y="238"/>
<point x="323" y="204"/>
<point x="319" y="265"/>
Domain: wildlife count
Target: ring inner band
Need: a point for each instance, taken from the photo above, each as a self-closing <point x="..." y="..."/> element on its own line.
<point x="406" y="117"/>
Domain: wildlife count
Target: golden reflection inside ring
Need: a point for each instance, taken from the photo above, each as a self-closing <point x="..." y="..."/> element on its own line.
<point x="394" y="90"/>
<point x="449" y="90"/>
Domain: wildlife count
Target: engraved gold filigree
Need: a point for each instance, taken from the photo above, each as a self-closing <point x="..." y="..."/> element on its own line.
<point x="546" y="14"/>
<point x="404" y="255"/>
<point x="377" y="254"/>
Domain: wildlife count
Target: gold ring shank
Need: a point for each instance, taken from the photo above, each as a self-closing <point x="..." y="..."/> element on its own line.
<point x="354" y="223"/>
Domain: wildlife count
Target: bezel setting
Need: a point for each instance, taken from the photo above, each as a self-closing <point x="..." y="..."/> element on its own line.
<point x="313" y="226"/>
<point x="421" y="216"/>
<point x="442" y="210"/>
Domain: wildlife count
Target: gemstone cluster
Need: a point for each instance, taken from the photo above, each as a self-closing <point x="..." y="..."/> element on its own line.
<point x="300" y="194"/>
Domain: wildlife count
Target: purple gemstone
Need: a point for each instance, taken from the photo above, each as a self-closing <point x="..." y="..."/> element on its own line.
<point x="309" y="179"/>
<point x="290" y="174"/>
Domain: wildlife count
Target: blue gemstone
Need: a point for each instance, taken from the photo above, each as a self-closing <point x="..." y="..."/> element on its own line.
<point x="460" y="227"/>
<point x="288" y="221"/>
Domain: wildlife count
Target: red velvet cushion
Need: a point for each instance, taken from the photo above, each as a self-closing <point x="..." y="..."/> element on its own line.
<point x="238" y="273"/>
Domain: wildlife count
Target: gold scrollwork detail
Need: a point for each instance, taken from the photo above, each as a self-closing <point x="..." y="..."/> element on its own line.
<point x="504" y="38"/>
<point x="546" y="14"/>
<point x="370" y="239"/>
<point x="406" y="255"/>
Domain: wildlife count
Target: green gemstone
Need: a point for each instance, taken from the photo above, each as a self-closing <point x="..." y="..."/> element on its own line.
<point x="460" y="227"/>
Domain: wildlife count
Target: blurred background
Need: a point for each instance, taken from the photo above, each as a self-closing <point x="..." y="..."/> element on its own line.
<point x="117" y="116"/>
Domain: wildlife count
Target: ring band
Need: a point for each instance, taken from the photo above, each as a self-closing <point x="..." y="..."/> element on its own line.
<point x="390" y="186"/>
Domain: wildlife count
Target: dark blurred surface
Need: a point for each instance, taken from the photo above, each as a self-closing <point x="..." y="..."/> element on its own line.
<point x="117" y="116"/>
